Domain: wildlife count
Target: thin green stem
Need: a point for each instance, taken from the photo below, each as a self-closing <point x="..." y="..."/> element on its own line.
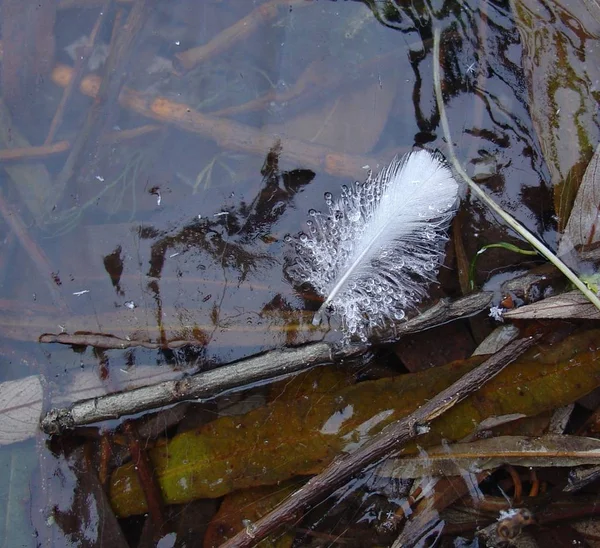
<point x="508" y="219"/>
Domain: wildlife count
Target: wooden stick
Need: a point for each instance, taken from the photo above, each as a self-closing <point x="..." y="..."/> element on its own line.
<point x="390" y="439"/>
<point x="202" y="385"/>
<point x="35" y="252"/>
<point x="147" y="478"/>
<point x="33" y="153"/>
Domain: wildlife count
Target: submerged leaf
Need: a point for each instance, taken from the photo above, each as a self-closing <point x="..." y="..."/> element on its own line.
<point x="20" y="409"/>
<point x="561" y="42"/>
<point x="300" y="435"/>
<point x="583" y="226"/>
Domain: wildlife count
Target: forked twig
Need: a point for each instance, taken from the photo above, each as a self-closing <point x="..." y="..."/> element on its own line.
<point x="506" y="217"/>
<point x="390" y="439"/>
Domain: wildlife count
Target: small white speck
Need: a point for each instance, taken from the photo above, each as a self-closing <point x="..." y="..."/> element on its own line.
<point x="471" y="68"/>
<point x="80" y="293"/>
<point x="221" y="213"/>
<point x="366" y="166"/>
<point x="129" y="304"/>
<point x="62" y="328"/>
<point x="173" y="255"/>
<point x="423" y="429"/>
<point x="557" y="111"/>
<point x="496" y="313"/>
<point x="101" y="179"/>
<point x="159" y="198"/>
<point x="177" y="42"/>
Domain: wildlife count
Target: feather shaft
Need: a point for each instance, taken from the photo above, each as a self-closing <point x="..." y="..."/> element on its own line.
<point x="372" y="254"/>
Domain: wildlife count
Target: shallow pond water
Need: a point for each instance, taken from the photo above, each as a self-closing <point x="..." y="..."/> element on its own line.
<point x="152" y="209"/>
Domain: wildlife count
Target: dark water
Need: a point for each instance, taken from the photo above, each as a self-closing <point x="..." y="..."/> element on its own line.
<point x="178" y="233"/>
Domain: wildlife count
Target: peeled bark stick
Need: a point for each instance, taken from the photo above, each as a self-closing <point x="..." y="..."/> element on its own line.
<point x="201" y="385"/>
<point x="389" y="440"/>
<point x="227" y="133"/>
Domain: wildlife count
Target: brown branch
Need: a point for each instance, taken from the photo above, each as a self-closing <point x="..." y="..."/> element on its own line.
<point x="229" y="37"/>
<point x="227" y="133"/>
<point x="33" y="153"/>
<point x="102" y="112"/>
<point x="389" y="440"/>
<point x="109" y="342"/>
<point x="82" y="56"/>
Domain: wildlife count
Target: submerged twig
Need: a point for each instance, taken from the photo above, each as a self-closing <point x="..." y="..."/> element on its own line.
<point x="102" y="112"/>
<point x="506" y="217"/>
<point x="227" y="133"/>
<point x="107" y="342"/>
<point x="390" y="439"/>
<point x="239" y="31"/>
<point x="33" y="153"/>
<point x="148" y="481"/>
<point x="35" y="252"/>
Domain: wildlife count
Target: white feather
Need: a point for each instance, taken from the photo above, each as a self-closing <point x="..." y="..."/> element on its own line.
<point x="372" y="255"/>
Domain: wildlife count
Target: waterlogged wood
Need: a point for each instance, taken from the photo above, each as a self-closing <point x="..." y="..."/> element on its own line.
<point x="32" y="181"/>
<point x="20" y="409"/>
<point x="560" y="59"/>
<point x="301" y="436"/>
<point x="250" y="505"/>
<point x="570" y="305"/>
<point x="227" y="133"/>
<point x="151" y="397"/>
<point x="99" y="340"/>
<point x="232" y="35"/>
<point x="202" y="385"/>
<point x="488" y="454"/>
